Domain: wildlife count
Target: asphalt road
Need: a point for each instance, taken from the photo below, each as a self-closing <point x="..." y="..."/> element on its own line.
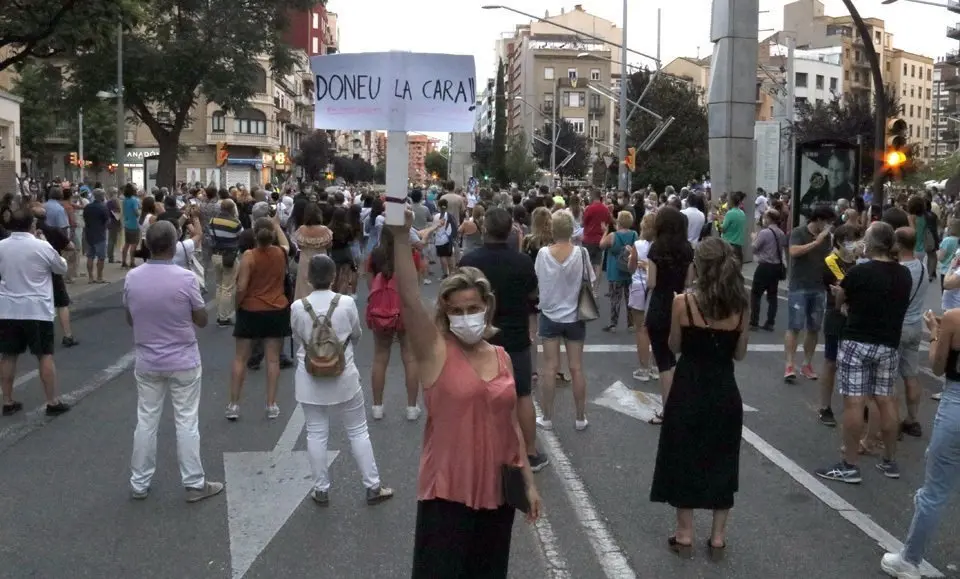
<point x="65" y="510"/>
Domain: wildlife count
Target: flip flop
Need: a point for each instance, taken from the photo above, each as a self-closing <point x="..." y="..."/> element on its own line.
<point x="657" y="419"/>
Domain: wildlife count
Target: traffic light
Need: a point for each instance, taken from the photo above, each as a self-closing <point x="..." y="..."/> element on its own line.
<point x="329" y="176"/>
<point x="631" y="159"/>
<point x="74" y="160"/>
<point x="897" y="134"/>
<point x="898" y="157"/>
<point x="222" y="154"/>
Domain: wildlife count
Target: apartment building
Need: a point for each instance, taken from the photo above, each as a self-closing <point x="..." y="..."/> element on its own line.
<point x="419" y="147"/>
<point x="945" y="138"/>
<point x="313" y="30"/>
<point x="911" y="75"/>
<point x="818" y="76"/>
<point x="486" y="109"/>
<point x="551" y="71"/>
<point x="694" y="70"/>
<point x="9" y="141"/>
<point x="358" y="145"/>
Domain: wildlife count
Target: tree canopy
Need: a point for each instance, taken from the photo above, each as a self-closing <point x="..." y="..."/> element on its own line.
<point x="48" y="28"/>
<point x="568" y="140"/>
<point x="180" y="50"/>
<point x="520" y="165"/>
<point x="353" y="170"/>
<point x="482" y="156"/>
<point x="436" y="164"/>
<point x="844" y="119"/>
<point x="315" y="154"/>
<point x="682" y="152"/>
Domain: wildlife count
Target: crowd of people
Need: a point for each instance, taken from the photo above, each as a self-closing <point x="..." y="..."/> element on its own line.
<point x="516" y="269"/>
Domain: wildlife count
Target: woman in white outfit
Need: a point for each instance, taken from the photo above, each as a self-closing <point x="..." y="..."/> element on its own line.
<point x="342" y="395"/>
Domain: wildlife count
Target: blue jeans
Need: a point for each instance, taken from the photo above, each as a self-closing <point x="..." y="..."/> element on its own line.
<point x="942" y="474"/>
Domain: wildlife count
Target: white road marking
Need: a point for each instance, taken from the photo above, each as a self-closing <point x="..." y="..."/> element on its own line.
<point x="609" y="554"/>
<point x="557" y="567"/>
<point x="618" y="348"/>
<point x="22" y="380"/>
<point x="640" y="405"/>
<point x="632" y="407"/>
<point x="263" y="491"/>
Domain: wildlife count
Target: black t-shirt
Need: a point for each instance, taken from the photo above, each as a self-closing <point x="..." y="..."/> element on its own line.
<point x="514" y="281"/>
<point x="672" y="266"/>
<point x="877" y="296"/>
<point x="95" y="219"/>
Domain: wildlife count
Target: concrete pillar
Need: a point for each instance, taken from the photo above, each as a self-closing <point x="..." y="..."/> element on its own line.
<point x="732" y="102"/>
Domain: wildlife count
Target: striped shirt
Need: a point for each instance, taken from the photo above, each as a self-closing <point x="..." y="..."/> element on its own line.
<point x="224" y="232"/>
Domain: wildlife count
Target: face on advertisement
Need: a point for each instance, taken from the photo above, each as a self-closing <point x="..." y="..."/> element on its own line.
<point x="837" y="171"/>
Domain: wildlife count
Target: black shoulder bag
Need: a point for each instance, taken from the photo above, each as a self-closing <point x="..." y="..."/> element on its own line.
<point x="782" y="271"/>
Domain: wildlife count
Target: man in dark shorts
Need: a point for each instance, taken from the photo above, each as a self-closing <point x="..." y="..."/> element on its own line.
<point x="27" y="266"/>
<point x="514" y="282"/>
<point x="61" y="299"/>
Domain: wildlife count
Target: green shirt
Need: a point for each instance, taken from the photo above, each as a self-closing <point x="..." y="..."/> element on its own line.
<point x="734" y="227"/>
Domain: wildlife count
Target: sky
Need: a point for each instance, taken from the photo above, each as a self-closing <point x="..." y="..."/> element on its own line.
<point x="463" y="27"/>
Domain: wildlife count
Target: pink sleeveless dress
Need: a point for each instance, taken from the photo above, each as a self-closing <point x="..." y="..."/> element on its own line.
<point x="470" y="433"/>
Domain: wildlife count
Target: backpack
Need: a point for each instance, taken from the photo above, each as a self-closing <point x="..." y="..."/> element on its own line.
<point x="323" y="352"/>
<point x="383" y="306"/>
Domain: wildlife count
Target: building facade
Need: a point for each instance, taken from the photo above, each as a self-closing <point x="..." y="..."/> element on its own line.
<point x="486" y="109"/>
<point x="419" y="147"/>
<point x="694" y="70"/>
<point x="946" y="121"/>
<point x="912" y="79"/>
<point x="311" y="32"/>
<point x="358" y="145"/>
<point x="9" y="142"/>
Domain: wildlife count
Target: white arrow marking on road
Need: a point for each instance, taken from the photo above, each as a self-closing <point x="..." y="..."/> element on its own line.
<point x="639" y="405"/>
<point x="263" y="490"/>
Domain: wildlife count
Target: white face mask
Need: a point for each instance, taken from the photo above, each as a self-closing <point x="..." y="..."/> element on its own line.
<point x="850" y="246"/>
<point x="468" y="328"/>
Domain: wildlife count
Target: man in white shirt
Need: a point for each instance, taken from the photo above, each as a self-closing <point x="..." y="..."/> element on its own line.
<point x="696" y="217"/>
<point x="760" y="205"/>
<point x="27" y="265"/>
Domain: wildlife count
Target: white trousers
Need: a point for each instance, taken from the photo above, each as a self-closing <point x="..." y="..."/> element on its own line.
<point x="354" y="417"/>
<point x="184" y="388"/>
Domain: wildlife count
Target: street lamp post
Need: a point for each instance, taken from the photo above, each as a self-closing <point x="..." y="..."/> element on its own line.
<point x="121" y="117"/>
<point x="624" y="174"/>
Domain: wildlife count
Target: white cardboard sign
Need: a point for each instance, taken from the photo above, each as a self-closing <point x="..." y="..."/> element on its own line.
<point x="395" y="91"/>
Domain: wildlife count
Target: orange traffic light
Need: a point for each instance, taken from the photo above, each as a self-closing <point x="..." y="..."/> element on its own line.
<point x="222" y="154"/>
<point x="895" y="159"/>
<point x="631" y="159"/>
<point x="74" y="160"/>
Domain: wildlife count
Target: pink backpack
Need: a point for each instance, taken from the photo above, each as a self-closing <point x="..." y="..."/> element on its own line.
<point x="383" y="306"/>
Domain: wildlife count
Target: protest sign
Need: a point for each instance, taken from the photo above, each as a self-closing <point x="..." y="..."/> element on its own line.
<point x="395" y="91"/>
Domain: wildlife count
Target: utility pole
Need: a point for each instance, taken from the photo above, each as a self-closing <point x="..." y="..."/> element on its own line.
<point x="80" y="143"/>
<point x="790" y="109"/>
<point x="556" y="136"/>
<point x="624" y="80"/>
<point x="121" y="117"/>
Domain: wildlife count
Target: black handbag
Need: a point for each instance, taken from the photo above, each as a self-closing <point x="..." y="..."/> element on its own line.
<point x="782" y="270"/>
<point x="514" y="488"/>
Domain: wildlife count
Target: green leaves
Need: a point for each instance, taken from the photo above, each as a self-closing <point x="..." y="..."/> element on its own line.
<point x="520" y="166"/>
<point x="41" y="111"/>
<point x="436" y="164"/>
<point x="568" y="140"/>
<point x="314" y="155"/>
<point x="500" y="127"/>
<point x="682" y="153"/>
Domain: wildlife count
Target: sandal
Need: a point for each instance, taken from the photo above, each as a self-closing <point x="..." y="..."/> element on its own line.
<point x="657" y="419"/>
<point x="683" y="550"/>
<point x="716" y="553"/>
<point x="561" y="377"/>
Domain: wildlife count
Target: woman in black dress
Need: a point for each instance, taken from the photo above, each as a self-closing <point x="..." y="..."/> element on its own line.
<point x="698" y="458"/>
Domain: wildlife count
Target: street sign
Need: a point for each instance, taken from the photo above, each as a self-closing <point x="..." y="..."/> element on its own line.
<point x="263" y="490"/>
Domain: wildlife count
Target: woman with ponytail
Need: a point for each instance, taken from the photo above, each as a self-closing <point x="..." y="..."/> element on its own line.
<point x="698" y="457"/>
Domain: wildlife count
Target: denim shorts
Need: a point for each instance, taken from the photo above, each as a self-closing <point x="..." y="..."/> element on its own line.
<point x="569" y="331"/>
<point x="909" y="351"/>
<point x="97" y="250"/>
<point x="806" y="309"/>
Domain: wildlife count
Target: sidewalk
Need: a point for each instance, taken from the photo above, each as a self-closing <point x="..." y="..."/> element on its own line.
<point x="81" y="287"/>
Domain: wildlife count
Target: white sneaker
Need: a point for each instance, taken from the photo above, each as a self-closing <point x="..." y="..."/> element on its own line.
<point x="581" y="424"/>
<point x="232" y="412"/>
<point x="377" y="412"/>
<point x="641" y="374"/>
<point x="273" y="411"/>
<point x="413" y="413"/>
<point x="544" y="423"/>
<point x="894" y="566"/>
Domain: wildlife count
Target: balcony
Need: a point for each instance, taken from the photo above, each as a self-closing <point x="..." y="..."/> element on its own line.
<point x="954" y="31"/>
<point x="597" y="136"/>
<point x="546" y="108"/>
<point x="951" y="136"/>
<point x="598" y="109"/>
<point x="952" y="57"/>
<point x="226" y="132"/>
<point x="61" y="136"/>
<point x="950" y="110"/>
<point x="861" y="63"/>
<point x="951" y="84"/>
<point x="953" y="6"/>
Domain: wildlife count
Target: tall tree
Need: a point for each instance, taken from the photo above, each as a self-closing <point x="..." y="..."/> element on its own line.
<point x="39" y="84"/>
<point x="568" y="139"/>
<point x="436" y="164"/>
<point x="181" y="50"/>
<point x="315" y="154"/>
<point x="845" y="119"/>
<point x="500" y="127"/>
<point x="99" y="129"/>
<point x="682" y="152"/>
<point x="47" y="28"/>
<point x="520" y="165"/>
<point x="482" y="156"/>
<point x="353" y="170"/>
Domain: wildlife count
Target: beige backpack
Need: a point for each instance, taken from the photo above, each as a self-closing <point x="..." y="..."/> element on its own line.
<point x="324" y="354"/>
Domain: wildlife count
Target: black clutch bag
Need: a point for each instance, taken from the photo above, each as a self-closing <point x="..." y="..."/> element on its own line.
<point x="514" y="488"/>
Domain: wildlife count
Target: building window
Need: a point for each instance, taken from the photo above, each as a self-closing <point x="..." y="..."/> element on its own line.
<point x="594" y="74"/>
<point x="548" y="73"/>
<point x="856" y="56"/>
<point x="856" y="76"/>
<point x="929" y="95"/>
<point x="904" y="69"/>
<point x="904" y="90"/>
<point x="911" y="110"/>
<point x="926" y="113"/>
<point x="846" y="75"/>
<point x="573" y="100"/>
<point x="911" y="131"/>
<point x="548" y="101"/>
<point x="801" y="81"/>
<point x="819" y="82"/>
<point x="594" y="129"/>
<point x="888" y="66"/>
<point x="218" y="122"/>
<point x="316" y="21"/>
<point x="250" y="122"/>
<point x="800" y="101"/>
<point x="833" y="83"/>
<point x="819" y="102"/>
<point x="315" y="45"/>
<point x="913" y="70"/>
<point x="929" y="74"/>
<point x="876" y="35"/>
<point x="926" y="132"/>
<point x="595" y="102"/>
<point x="911" y="92"/>
<point x="578" y="125"/>
<point x="572" y="74"/>
<point x="260" y="81"/>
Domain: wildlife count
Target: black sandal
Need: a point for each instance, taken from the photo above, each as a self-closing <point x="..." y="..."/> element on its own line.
<point x="657" y="419"/>
<point x="683" y="550"/>
<point x="716" y="553"/>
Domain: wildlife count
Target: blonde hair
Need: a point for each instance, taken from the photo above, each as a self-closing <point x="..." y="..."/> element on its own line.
<point x="562" y="223"/>
<point x="466" y="278"/>
<point x="624" y="220"/>
<point x="648" y="229"/>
